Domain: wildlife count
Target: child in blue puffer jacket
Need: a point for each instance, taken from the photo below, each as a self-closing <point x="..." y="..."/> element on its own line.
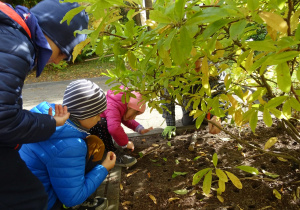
<point x="68" y="163"/>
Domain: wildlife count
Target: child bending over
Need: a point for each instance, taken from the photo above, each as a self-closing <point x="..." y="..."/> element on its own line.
<point x="110" y="127"/>
<point x="68" y="163"/>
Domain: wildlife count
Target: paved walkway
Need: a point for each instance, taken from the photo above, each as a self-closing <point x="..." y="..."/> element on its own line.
<point x="52" y="92"/>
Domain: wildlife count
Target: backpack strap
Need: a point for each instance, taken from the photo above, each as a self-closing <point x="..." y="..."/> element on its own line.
<point x="14" y="16"/>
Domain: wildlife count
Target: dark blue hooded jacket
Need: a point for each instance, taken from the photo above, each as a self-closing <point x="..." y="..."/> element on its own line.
<point x="17" y="58"/>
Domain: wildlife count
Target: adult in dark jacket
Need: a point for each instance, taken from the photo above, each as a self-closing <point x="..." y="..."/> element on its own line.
<point x="29" y="38"/>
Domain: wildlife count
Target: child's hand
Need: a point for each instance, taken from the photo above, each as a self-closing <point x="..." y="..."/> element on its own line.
<point x="130" y="145"/>
<point x="146" y="130"/>
<point x="61" y="114"/>
<point x="213" y="129"/>
<point x="109" y="161"/>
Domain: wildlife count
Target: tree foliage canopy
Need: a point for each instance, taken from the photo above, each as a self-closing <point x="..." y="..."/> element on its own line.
<point x="255" y="42"/>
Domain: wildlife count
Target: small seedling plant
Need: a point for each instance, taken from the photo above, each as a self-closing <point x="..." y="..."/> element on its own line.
<point x="224" y="176"/>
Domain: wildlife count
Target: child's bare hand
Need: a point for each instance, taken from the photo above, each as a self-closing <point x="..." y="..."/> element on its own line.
<point x="213" y="129"/>
<point x="61" y="114"/>
<point x="109" y="161"/>
<point x="130" y="145"/>
<point x="146" y="130"/>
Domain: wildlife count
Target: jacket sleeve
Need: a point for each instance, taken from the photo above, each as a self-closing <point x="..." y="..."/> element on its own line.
<point x="115" y="129"/>
<point x="25" y="127"/>
<point x="132" y="124"/>
<point x="68" y="178"/>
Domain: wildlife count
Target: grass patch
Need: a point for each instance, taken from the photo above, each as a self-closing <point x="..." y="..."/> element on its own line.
<point x="85" y="69"/>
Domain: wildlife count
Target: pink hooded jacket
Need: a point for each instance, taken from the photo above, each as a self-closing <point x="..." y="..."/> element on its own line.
<point x="114" y="117"/>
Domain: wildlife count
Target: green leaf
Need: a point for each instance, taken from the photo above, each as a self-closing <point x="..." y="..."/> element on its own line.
<point x="215" y="159"/>
<point x="200" y="120"/>
<point x="169" y="39"/>
<point x="132" y="60"/>
<point x="99" y="49"/>
<point x="178" y="174"/>
<point x="270" y="142"/>
<point x="253" y="121"/>
<point x="169" y="143"/>
<point x="297" y="33"/>
<point x="281" y="57"/>
<point x="270" y="174"/>
<point x="287" y="109"/>
<point x="141" y="154"/>
<point x="176" y="52"/>
<point x="249" y="169"/>
<point x="69" y="15"/>
<point x="196" y="158"/>
<point x="235" y="181"/>
<point x="181" y="192"/>
<point x="236" y="29"/>
<point x="266" y="45"/>
<point x="276" y="112"/>
<point x="284" y="80"/>
<point x="179" y="9"/>
<point x="274" y="102"/>
<point x="252" y="5"/>
<point x="214" y="27"/>
<point x="185" y="42"/>
<point x="222" y="176"/>
<point x="295" y="104"/>
<point x="198" y="176"/>
<point x="159" y="17"/>
<point x="165" y="159"/>
<point x="207" y="183"/>
<point x="267" y="117"/>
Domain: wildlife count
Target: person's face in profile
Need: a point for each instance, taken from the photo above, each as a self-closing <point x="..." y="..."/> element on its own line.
<point x="57" y="54"/>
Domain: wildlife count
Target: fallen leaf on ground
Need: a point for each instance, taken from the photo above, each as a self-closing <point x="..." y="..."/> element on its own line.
<point x="128" y="175"/>
<point x="152" y="198"/>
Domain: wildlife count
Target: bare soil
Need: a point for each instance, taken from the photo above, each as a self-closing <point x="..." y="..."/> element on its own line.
<point x="149" y="183"/>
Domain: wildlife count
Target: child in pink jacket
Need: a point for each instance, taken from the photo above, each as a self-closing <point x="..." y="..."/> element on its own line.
<point x="109" y="127"/>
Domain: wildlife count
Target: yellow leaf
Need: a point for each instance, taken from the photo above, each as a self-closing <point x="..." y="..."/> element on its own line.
<point x="270" y="142"/>
<point x="149" y="174"/>
<point x="221" y="199"/>
<point x="295" y="20"/>
<point x="79" y="47"/>
<point x="222" y="176"/>
<point x="121" y="186"/>
<point x="249" y="60"/>
<point x="235" y="181"/>
<point x="193" y="52"/>
<point x="128" y="175"/>
<point x="152" y="198"/>
<point x="238" y="117"/>
<point x="173" y="199"/>
<point x="275" y="21"/>
<point x="272" y="32"/>
<point x="192" y="193"/>
<point x="155" y="145"/>
<point x="222" y="186"/>
<point x="281" y="159"/>
<point x="126" y="203"/>
<point x="277" y="194"/>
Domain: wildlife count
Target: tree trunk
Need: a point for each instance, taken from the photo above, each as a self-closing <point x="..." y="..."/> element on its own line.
<point x="148" y="4"/>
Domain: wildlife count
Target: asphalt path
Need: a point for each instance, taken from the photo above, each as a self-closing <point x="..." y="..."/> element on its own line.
<point x="52" y="92"/>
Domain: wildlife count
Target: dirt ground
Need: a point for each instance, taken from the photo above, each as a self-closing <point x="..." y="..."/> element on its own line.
<point x="149" y="183"/>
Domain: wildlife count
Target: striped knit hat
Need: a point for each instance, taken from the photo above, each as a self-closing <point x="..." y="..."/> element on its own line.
<point x="84" y="99"/>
